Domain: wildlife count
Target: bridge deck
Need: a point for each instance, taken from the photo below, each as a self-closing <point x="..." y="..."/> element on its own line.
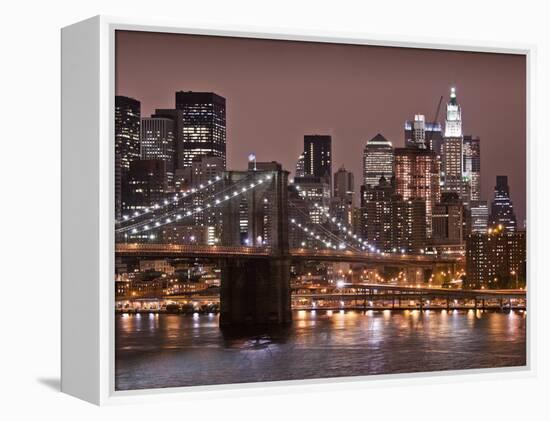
<point x="198" y="251"/>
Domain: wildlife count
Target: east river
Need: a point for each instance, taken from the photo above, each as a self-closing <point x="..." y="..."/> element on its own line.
<point x="170" y="350"/>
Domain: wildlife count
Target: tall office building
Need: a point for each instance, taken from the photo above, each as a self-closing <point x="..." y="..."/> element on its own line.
<point x="423" y="135"/>
<point x="344" y="185"/>
<point x="389" y="223"/>
<point x="344" y="192"/>
<point x="300" y="166"/>
<point x="472" y="166"/>
<point x="200" y="124"/>
<point x="479" y="216"/>
<point x="158" y="142"/>
<point x="147" y="183"/>
<point x="502" y="210"/>
<point x="378" y="160"/>
<point x="452" y="148"/>
<point x="314" y="191"/>
<point x="318" y="157"/>
<point x="417" y="177"/>
<point x="448" y="221"/>
<point x="127" y="149"/>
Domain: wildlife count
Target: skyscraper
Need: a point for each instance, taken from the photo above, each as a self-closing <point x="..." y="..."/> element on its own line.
<point x="342" y="201"/>
<point x="300" y="166"/>
<point x="344" y="185"/>
<point x="472" y="166"/>
<point x="390" y="223"/>
<point x="158" y="142"/>
<point x="502" y="210"/>
<point x="378" y="160"/>
<point x="479" y="216"/>
<point x="421" y="134"/>
<point x="452" y="147"/>
<point x="417" y="177"/>
<point x="200" y="125"/>
<point x="447" y="221"/>
<point x="318" y="156"/>
<point x="127" y="145"/>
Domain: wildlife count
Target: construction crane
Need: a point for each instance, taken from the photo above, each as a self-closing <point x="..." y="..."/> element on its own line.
<point x="434" y="121"/>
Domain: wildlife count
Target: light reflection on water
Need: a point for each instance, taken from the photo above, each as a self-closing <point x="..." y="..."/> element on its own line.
<point x="176" y="350"/>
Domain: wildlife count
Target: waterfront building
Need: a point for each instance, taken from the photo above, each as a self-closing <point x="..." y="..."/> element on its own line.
<point x="158" y="142"/>
<point x="157" y="265"/>
<point x="378" y="160"/>
<point x="127" y="145"/>
<point x="502" y="209"/>
<point x="495" y="259"/>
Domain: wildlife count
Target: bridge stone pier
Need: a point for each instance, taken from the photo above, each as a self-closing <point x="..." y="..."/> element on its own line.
<point x="256" y="290"/>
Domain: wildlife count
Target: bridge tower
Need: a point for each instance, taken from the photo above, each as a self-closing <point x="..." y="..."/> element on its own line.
<point x="256" y="290"/>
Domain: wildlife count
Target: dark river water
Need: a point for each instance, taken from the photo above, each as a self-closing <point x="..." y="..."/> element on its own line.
<point x="166" y="350"/>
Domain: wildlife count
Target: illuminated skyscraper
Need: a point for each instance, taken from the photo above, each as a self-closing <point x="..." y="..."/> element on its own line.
<point x="472" y="166"/>
<point x="389" y="223"/>
<point x="452" y="148"/>
<point x="300" y="166"/>
<point x="318" y="157"/>
<point x="158" y="142"/>
<point x="479" y="216"/>
<point x="127" y="148"/>
<point x="417" y="177"/>
<point x="378" y="160"/>
<point x="421" y="134"/>
<point x="502" y="210"/>
<point x="201" y="126"/>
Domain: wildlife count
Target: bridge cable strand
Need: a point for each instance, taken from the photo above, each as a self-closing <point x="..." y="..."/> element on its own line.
<point x="177" y="197"/>
<point x="327" y="232"/>
<point x="347" y="231"/>
<point x="174" y="210"/>
<point x="175" y="215"/>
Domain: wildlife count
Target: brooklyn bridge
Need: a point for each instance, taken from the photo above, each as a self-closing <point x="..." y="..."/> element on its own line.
<point x="255" y="261"/>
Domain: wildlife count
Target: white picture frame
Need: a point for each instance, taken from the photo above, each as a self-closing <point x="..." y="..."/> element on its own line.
<point x="88" y="69"/>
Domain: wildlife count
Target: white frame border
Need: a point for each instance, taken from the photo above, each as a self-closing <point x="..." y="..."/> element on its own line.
<point x="107" y="394"/>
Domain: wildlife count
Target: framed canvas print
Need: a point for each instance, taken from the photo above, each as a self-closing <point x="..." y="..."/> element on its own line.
<point x="244" y="208"/>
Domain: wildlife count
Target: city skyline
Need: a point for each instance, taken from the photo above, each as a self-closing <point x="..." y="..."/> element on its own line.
<point x="271" y="206"/>
<point x="484" y="100"/>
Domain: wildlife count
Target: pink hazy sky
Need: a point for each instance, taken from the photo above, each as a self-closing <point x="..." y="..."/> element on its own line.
<point x="277" y="91"/>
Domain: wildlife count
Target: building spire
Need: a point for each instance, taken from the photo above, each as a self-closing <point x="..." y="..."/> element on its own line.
<point x="453" y="95"/>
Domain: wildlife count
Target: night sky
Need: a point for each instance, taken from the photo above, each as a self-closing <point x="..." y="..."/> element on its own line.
<point x="277" y="91"/>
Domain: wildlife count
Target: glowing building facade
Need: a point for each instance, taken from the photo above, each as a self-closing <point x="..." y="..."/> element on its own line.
<point x="378" y="160"/>
<point x="417" y="177"/>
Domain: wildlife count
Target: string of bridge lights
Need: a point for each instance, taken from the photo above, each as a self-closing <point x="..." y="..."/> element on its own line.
<point x="348" y="232"/>
<point x="316" y="236"/>
<point x="177" y="197"/>
<point x="345" y="230"/>
<point x="177" y="216"/>
<point x="341" y="243"/>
